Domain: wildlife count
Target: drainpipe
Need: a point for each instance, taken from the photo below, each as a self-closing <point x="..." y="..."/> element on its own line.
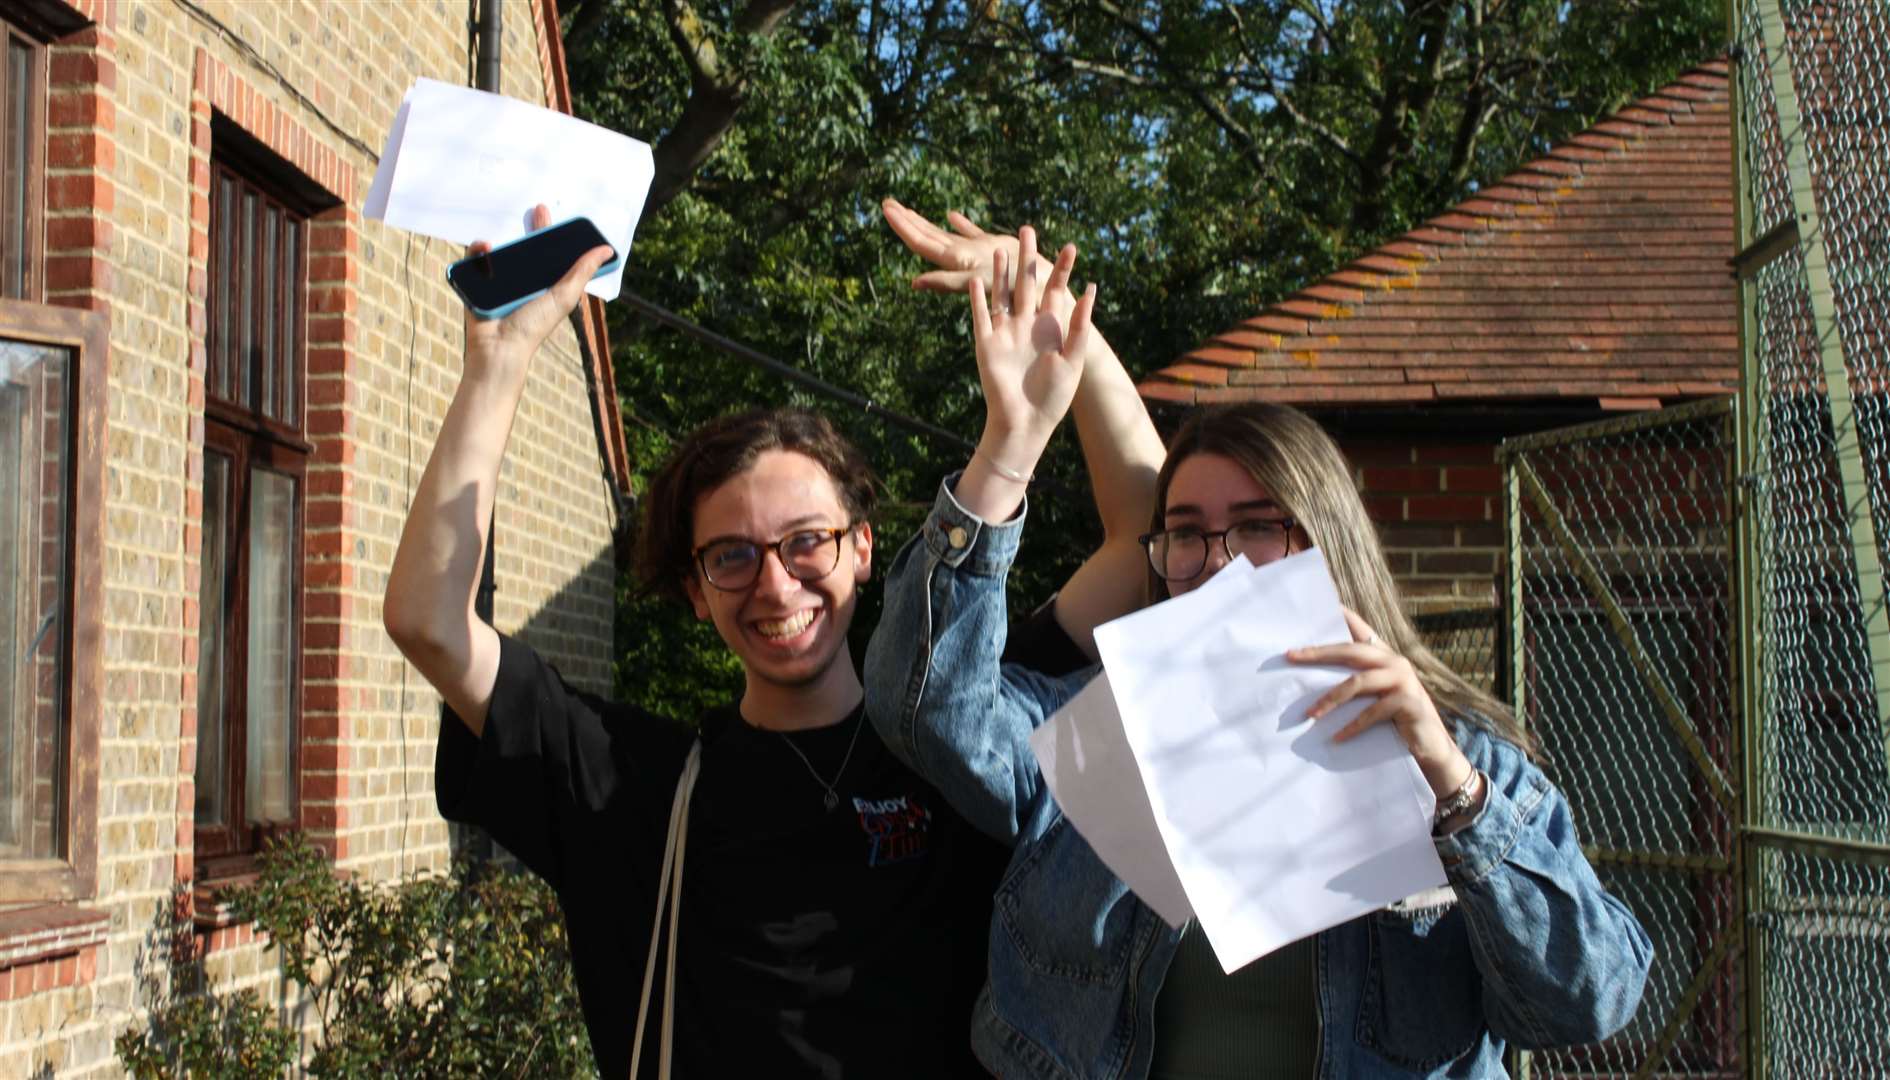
<point x="487" y="32"/>
<point x="483" y="29"/>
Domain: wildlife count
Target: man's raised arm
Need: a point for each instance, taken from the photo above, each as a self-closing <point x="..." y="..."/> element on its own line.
<point x="428" y="608"/>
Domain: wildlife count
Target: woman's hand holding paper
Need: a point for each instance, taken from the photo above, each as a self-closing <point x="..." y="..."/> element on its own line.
<point x="1402" y="701"/>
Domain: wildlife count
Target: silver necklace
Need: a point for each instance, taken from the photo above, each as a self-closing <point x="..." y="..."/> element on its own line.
<point x="833" y="795"/>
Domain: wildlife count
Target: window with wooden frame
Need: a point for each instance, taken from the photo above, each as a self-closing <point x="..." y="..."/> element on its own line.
<point x="52" y="392"/>
<point x="22" y="163"/>
<point x="254" y="463"/>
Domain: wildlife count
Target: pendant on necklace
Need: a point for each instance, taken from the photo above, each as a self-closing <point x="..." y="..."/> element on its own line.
<point x="833" y="800"/>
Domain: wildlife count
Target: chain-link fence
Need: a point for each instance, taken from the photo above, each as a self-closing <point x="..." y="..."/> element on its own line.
<point x="1698" y="628"/>
<point x="1470" y="640"/>
<point x="1814" y="168"/>
<point x="1621" y="650"/>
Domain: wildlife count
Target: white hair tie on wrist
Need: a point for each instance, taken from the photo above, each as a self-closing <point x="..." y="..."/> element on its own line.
<point x="1003" y="470"/>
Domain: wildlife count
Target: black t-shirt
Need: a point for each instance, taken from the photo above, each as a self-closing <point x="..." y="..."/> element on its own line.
<point x="813" y="943"/>
<point x="1041" y="644"/>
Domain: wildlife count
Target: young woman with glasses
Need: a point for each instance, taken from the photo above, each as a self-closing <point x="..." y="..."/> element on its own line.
<point x="1523" y="947"/>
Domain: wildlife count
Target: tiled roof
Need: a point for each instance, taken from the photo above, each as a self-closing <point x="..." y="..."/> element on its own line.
<point x="1596" y="273"/>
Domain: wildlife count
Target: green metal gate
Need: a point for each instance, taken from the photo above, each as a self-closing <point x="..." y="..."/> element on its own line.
<point x="1621" y="657"/>
<point x="1698" y="623"/>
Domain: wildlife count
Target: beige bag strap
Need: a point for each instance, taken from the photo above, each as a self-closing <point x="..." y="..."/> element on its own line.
<point x="669" y="887"/>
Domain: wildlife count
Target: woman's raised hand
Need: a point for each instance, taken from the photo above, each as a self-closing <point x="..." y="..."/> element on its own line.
<point x="1027" y="365"/>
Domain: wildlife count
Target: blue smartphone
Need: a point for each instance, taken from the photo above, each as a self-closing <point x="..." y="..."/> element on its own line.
<point x="495" y="284"/>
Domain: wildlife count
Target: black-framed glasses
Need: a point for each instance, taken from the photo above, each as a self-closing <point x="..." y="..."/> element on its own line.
<point x="732" y="563"/>
<point x="1181" y="554"/>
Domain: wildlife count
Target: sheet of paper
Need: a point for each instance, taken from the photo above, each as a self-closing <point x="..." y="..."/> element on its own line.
<point x="1092" y="773"/>
<point x="464" y="165"/>
<point x="1275" y="831"/>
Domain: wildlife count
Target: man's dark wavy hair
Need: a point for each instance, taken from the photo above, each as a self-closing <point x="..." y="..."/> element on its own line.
<point x="725" y="448"/>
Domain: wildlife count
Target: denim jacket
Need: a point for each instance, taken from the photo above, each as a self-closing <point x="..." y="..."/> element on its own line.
<point x="1523" y="947"/>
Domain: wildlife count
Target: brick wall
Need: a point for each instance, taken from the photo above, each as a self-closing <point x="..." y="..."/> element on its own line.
<point x="1439" y="510"/>
<point x="131" y="101"/>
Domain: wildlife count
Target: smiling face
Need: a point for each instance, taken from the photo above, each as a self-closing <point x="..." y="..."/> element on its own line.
<point x="789" y="634"/>
<point x="1211" y="492"/>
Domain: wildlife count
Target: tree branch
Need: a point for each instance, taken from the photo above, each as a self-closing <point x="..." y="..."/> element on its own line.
<point x="1477" y="108"/>
<point x="586" y="17"/>
<point x="715" y="93"/>
<point x="1274" y="88"/>
<point x="1310" y="9"/>
<point x="1410" y="86"/>
<point x="1215" y="109"/>
<point x="1112" y="72"/>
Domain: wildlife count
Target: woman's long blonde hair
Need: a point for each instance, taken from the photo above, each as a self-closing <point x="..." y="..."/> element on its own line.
<point x="1290" y="455"/>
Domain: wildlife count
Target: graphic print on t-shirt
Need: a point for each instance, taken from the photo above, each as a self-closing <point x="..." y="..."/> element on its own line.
<point x="897" y="829"/>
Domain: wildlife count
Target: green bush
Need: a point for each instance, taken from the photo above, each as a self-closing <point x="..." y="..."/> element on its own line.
<point x="460" y="976"/>
<point x="198" y="1035"/>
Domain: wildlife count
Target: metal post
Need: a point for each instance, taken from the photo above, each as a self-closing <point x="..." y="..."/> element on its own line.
<point x="1513" y="638"/>
<point x="1513" y="598"/>
<point x="1747" y="583"/>
<point x="1857" y="506"/>
<point x="1747" y="504"/>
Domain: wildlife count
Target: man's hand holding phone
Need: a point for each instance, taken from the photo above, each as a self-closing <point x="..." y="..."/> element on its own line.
<point x="513" y="338"/>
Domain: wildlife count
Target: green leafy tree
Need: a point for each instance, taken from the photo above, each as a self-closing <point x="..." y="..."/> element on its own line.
<point x="1205" y="156"/>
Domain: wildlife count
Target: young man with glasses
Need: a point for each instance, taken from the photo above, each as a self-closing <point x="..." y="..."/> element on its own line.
<point x="834" y="909"/>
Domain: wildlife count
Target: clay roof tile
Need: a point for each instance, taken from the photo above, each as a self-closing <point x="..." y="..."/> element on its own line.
<point x="1597" y="272"/>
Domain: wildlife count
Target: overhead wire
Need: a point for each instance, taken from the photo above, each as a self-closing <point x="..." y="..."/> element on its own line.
<point x="747" y="353"/>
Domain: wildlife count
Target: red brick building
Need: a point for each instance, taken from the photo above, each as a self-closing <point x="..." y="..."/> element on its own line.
<point x="218" y="384"/>
<point x="1593" y="280"/>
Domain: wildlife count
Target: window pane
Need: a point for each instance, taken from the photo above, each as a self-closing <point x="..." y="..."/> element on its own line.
<point x="291" y="304"/>
<point x="272" y="637"/>
<point x="212" y="649"/>
<point x="266" y="339"/>
<point x="224" y="247"/>
<point x="18" y="127"/>
<point x="35" y="397"/>
<point x="257" y="247"/>
<point x="245" y="299"/>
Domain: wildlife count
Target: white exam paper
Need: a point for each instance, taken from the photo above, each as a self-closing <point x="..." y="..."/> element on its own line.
<point x="464" y="165"/>
<point x="1275" y="831"/>
<point x="1091" y="771"/>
